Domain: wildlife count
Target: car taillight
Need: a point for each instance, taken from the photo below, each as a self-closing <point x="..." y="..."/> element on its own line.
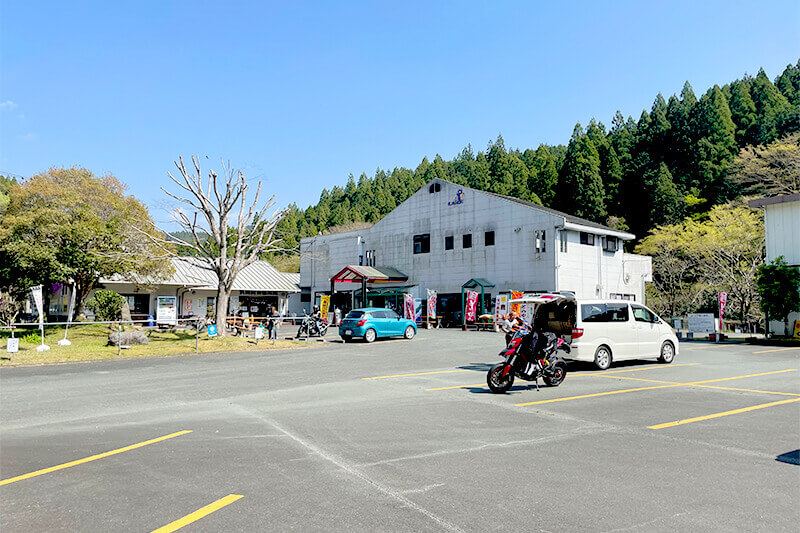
<point x="577" y="333"/>
<point x="361" y="322"/>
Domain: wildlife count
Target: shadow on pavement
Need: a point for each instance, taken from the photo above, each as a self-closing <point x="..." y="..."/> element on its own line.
<point x="793" y="458"/>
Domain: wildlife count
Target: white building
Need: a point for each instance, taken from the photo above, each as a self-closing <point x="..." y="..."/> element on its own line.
<point x="782" y="229"/>
<point x="446" y="234"/>
<point x="194" y="285"/>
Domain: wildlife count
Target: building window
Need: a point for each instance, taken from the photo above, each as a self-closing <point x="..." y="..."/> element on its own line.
<point x="540" y="242"/>
<point x="488" y="238"/>
<point x="466" y="241"/>
<point x="422" y="243"/>
<point x="587" y="238"/>
<point x="370" y="258"/>
<point x="448" y="242"/>
<point x="435" y="187"/>
<point x="305" y="294"/>
<point x="562" y="237"/>
<point x="610" y="244"/>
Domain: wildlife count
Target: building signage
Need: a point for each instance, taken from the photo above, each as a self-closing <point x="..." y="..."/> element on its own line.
<point x="701" y="322"/>
<point x="459" y="198"/>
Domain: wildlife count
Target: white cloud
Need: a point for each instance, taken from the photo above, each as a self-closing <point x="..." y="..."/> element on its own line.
<point x="8" y="104"/>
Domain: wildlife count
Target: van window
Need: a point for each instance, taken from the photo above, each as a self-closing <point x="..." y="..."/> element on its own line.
<point x="643" y="315"/>
<point x="616" y="312"/>
<point x="593" y="312"/>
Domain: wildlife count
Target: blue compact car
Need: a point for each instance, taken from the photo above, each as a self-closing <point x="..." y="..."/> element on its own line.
<point x="373" y="322"/>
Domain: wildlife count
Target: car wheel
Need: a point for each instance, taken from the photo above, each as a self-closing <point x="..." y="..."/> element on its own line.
<point x="667" y="353"/>
<point x="370" y="335"/>
<point x="409" y="334"/>
<point x="347" y="338"/>
<point x="602" y="357"/>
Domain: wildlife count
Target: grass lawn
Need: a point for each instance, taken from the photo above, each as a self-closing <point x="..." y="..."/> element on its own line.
<point x="89" y="344"/>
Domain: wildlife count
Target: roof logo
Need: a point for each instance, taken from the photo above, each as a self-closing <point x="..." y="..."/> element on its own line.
<point x="459" y="198"/>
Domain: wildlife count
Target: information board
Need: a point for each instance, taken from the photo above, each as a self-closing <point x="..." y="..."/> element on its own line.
<point x="167" y="310"/>
<point x="702" y="323"/>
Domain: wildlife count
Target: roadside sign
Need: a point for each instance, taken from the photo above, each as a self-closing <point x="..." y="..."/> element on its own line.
<point x="167" y="310"/>
<point x="259" y="332"/>
<point x="12" y="345"/>
<point x="702" y="323"/>
<point x="212" y="330"/>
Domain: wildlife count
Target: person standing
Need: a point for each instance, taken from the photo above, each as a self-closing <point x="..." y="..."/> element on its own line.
<point x="509" y="326"/>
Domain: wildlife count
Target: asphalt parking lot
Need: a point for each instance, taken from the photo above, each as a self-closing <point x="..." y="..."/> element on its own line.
<point x="402" y="436"/>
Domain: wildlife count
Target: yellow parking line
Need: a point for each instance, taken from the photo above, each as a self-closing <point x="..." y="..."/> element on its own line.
<point x="607" y="393"/>
<point x="726" y="413"/>
<point x="702" y="386"/>
<point x="655" y="387"/>
<point x="741" y="377"/>
<point x="419" y="374"/>
<point x="197" y="515"/>
<point x="91" y="458"/>
<point x="779" y="350"/>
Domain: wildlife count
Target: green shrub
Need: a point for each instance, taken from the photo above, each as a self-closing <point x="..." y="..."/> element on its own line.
<point x="32" y="338"/>
<point x="106" y="305"/>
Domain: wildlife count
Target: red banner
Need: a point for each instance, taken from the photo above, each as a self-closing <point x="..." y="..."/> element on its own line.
<point x="723" y="300"/>
<point x="472" y="303"/>
<point x="431" y="304"/>
<point x="408" y="306"/>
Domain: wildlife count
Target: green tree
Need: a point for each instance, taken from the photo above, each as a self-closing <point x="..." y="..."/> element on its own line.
<point x="779" y="288"/>
<point x="106" y="305"/>
<point x="716" y="146"/>
<point x="769" y="170"/>
<point x="743" y="111"/>
<point x="773" y="110"/>
<point x="66" y="223"/>
<point x="665" y="200"/>
<point x="788" y="83"/>
<point x="580" y="186"/>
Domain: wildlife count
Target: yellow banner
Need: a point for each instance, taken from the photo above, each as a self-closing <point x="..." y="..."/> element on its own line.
<point x="797" y="328"/>
<point x="324" y="303"/>
<point x="515" y="307"/>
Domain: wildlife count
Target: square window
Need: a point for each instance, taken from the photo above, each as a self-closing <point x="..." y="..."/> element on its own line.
<point x="488" y="238"/>
<point x="587" y="238"/>
<point x="422" y="243"/>
<point x="448" y="242"/>
<point x="466" y="241"/>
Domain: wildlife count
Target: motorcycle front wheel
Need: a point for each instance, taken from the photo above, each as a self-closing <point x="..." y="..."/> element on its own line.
<point x="557" y="375"/>
<point x="497" y="383"/>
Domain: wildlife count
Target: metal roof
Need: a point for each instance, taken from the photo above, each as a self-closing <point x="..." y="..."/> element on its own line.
<point x="198" y="274"/>
<point x="352" y="273"/>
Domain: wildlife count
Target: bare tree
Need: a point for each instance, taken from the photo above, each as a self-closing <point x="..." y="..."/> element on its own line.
<point x="228" y="231"/>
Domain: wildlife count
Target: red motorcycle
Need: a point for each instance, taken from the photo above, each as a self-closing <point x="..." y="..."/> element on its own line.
<point x="529" y="356"/>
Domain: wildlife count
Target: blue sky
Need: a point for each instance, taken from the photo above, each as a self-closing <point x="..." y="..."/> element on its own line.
<point x="301" y="94"/>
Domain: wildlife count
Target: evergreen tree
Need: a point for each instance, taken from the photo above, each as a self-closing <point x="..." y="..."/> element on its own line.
<point x="543" y="174"/>
<point x="772" y="109"/>
<point x="743" y="111"/>
<point x="665" y="200"/>
<point x="716" y="147"/>
<point x="580" y="186"/>
<point x="788" y="83"/>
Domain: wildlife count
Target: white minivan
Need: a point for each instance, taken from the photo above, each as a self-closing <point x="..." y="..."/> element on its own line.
<point x="604" y="331"/>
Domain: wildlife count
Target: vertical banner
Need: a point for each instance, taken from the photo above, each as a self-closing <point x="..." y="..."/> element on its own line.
<point x="515" y="307"/>
<point x="408" y="306"/>
<point x="723" y="300"/>
<point x="70" y="308"/>
<point x="36" y="292"/>
<point x="500" y="307"/>
<point x="324" y="304"/>
<point x="431" y="304"/>
<point x="472" y="303"/>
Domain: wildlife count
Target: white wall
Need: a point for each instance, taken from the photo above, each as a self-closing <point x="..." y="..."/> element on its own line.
<point x="782" y="226"/>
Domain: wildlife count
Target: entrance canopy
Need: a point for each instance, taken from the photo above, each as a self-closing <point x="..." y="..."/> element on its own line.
<point x="474" y="283"/>
<point x="364" y="275"/>
<point x="359" y="274"/>
<point x="478" y="282"/>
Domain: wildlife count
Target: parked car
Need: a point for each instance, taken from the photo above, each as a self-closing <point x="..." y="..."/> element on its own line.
<point x="605" y="331"/>
<point x="372" y="322"/>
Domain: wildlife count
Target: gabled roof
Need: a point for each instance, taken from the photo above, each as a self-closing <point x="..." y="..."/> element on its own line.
<point x="353" y="273"/>
<point x="772" y="200"/>
<point x="196" y="273"/>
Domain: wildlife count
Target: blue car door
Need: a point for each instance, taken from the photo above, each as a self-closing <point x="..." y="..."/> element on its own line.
<point x="394" y="324"/>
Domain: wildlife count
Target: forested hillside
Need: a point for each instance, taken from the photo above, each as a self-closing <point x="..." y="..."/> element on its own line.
<point x="671" y="162"/>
